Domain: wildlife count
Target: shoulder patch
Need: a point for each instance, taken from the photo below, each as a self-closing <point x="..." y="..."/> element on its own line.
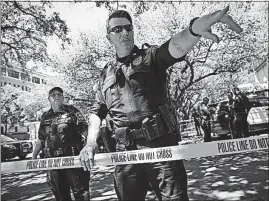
<point x="79" y="116"/>
<point x="137" y="61"/>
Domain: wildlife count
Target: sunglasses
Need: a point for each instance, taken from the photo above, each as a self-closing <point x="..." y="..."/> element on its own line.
<point x="118" y="29"/>
<point x="56" y="94"/>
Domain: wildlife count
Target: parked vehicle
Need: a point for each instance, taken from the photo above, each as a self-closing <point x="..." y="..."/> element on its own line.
<point x="258" y="117"/>
<point x="11" y="148"/>
<point x="18" y="135"/>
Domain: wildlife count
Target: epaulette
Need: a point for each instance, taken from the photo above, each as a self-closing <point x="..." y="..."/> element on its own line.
<point x="104" y="72"/>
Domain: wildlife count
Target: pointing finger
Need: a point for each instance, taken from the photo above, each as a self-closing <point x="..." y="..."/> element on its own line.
<point x="233" y="25"/>
<point x="220" y="13"/>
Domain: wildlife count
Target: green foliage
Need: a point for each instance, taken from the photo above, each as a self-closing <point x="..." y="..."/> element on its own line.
<point x="25" y="26"/>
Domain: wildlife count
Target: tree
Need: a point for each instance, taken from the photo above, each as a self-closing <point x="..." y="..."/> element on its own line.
<point x="234" y="55"/>
<point x="80" y="65"/>
<point x="25" y="26"/>
<point x="11" y="112"/>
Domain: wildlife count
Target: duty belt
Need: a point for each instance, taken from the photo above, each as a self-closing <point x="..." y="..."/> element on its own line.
<point x="67" y="151"/>
<point x="152" y="128"/>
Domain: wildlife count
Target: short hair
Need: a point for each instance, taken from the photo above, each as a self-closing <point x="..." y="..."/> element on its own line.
<point x="205" y="98"/>
<point x="118" y="14"/>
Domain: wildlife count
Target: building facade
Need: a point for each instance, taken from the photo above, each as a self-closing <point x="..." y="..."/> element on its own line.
<point x="17" y="77"/>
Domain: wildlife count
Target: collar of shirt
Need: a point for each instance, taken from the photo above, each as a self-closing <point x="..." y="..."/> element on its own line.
<point x="62" y="109"/>
<point x="128" y="59"/>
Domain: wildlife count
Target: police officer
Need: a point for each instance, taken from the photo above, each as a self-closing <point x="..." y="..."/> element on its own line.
<point x="222" y="112"/>
<point x="241" y="109"/>
<point x="205" y="119"/>
<point x="196" y="118"/>
<point x="231" y="113"/>
<point x="133" y="90"/>
<point x="61" y="133"/>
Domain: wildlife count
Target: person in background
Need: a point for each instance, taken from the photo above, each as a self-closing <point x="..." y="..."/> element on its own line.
<point x="241" y="109"/>
<point x="196" y="118"/>
<point x="205" y="119"/>
<point x="231" y="113"/>
<point x="222" y="112"/>
<point x="61" y="133"/>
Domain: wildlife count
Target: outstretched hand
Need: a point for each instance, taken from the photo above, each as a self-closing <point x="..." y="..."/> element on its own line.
<point x="86" y="156"/>
<point x="202" y="25"/>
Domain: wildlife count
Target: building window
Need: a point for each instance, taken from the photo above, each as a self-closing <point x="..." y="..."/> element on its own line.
<point x="3" y="71"/>
<point x="5" y="83"/>
<point x="22" y="87"/>
<point x="1" y="84"/>
<point x="19" y="86"/>
<point x="36" y="80"/>
<point x="2" y="129"/>
<point x="16" y="129"/>
<point x="9" y="83"/>
<point x="12" y="73"/>
<point x="44" y="81"/>
<point x="25" y="77"/>
<point x="14" y="85"/>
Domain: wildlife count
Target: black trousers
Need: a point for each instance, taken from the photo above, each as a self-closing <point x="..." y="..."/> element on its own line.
<point x="197" y="126"/>
<point x="206" y="126"/>
<point x="60" y="182"/>
<point x="241" y="125"/>
<point x="167" y="179"/>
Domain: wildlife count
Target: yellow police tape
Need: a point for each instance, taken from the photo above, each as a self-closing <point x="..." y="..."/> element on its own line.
<point x="145" y="155"/>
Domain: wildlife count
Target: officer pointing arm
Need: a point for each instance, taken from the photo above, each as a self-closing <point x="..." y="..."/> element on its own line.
<point x="178" y="46"/>
<point x="182" y="42"/>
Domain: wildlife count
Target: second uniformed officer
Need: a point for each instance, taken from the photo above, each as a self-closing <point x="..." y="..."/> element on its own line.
<point x="133" y="91"/>
<point x="241" y="109"/>
<point x="205" y="120"/>
<point x="61" y="133"/>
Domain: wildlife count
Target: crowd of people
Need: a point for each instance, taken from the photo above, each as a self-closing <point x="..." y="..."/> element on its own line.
<point x="232" y="113"/>
<point x="132" y="90"/>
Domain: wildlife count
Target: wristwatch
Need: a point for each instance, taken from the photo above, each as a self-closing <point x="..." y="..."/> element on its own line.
<point x="190" y="27"/>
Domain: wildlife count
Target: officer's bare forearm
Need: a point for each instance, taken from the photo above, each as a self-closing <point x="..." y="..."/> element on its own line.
<point x="93" y="130"/>
<point x="181" y="43"/>
<point x="37" y="149"/>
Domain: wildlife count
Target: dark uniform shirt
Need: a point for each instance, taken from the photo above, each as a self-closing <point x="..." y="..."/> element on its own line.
<point x="62" y="129"/>
<point x="241" y="103"/>
<point x="238" y="105"/>
<point x="230" y="107"/>
<point x="204" y="111"/>
<point x="133" y="87"/>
